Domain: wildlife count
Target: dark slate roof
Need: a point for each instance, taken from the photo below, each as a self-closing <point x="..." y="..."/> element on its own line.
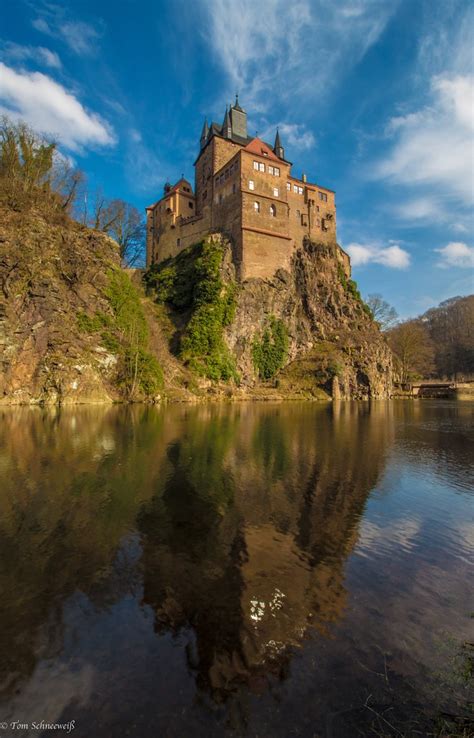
<point x="216" y="129"/>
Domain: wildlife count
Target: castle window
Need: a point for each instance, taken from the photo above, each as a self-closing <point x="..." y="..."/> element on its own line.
<point x="256" y="206"/>
<point x="255" y="165"/>
<point x="261" y="167"/>
<point x="178" y="242"/>
<point x="276" y="171"/>
<point x="190" y="205"/>
<point x="270" y="169"/>
<point x="300" y="190"/>
<point x="323" y="196"/>
<point x="234" y="188"/>
<point x="295" y="188"/>
<point x="276" y="192"/>
<point x="251" y="184"/>
<point x="273" y="211"/>
<point x="288" y="186"/>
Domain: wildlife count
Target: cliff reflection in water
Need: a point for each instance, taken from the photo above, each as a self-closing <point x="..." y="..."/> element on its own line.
<point x="245" y="542"/>
<point x="242" y="517"/>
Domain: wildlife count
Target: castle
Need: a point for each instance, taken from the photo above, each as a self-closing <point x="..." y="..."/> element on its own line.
<point x="243" y="188"/>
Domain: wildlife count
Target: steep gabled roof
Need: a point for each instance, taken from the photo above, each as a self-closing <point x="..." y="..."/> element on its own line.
<point x="260" y="148"/>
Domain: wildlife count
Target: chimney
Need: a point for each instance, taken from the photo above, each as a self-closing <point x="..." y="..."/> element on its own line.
<point x="303" y="177"/>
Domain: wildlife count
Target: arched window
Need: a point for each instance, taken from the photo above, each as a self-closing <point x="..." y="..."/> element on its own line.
<point x="256" y="206"/>
<point x="273" y="211"/>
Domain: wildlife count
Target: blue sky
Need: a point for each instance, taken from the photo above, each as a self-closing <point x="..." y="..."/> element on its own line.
<point x="373" y="99"/>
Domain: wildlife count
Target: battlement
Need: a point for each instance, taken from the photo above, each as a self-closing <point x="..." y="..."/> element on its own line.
<point x="244" y="188"/>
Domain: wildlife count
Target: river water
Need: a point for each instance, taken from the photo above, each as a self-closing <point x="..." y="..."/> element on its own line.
<point x="249" y="569"/>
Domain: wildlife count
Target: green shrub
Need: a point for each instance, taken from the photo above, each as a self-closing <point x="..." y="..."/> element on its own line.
<point x="124" y="332"/>
<point x="192" y="282"/>
<point x="270" y="350"/>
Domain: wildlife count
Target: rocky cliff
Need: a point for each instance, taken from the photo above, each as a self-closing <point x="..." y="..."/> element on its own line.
<point x="306" y="332"/>
<point x="71" y="325"/>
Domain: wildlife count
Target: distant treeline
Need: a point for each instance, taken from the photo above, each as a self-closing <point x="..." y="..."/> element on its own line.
<point x="437" y="344"/>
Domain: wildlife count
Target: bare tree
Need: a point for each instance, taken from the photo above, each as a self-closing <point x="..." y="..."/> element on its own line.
<point x="67" y="181"/>
<point x="33" y="171"/>
<point x="384" y="314"/>
<point x="413" y="349"/>
<point x="124" y="223"/>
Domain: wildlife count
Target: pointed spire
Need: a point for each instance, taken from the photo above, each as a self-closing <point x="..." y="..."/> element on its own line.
<point x="204" y="133"/>
<point x="278" y="148"/>
<point x="277" y="140"/>
<point x="236" y="105"/>
<point x="226" y="127"/>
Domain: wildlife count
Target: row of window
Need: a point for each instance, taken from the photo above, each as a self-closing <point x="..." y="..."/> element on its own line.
<point x="226" y="173"/>
<point x="259" y="166"/>
<point x="272" y="209"/>
<point x="276" y="191"/>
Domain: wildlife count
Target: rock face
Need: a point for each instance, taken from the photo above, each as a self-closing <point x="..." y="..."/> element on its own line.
<point x="49" y="273"/>
<point x="63" y="339"/>
<point x="333" y="343"/>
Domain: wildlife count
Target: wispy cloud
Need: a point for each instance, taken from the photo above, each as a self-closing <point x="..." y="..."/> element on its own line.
<point x="433" y="146"/>
<point x="296" y="51"/>
<point x="81" y="37"/>
<point x="50" y="108"/>
<point x="38" y="54"/>
<point x="294" y="135"/>
<point x="392" y="256"/>
<point x="456" y="254"/>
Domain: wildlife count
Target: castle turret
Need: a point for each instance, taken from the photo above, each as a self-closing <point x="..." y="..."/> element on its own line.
<point x="204" y="133"/>
<point x="238" y="118"/>
<point x="278" y="148"/>
<point x="226" y="125"/>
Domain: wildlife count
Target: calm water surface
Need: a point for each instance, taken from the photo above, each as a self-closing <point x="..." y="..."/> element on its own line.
<point x="250" y="570"/>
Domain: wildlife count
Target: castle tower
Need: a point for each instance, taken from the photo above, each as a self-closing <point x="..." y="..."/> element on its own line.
<point x="238" y="118"/>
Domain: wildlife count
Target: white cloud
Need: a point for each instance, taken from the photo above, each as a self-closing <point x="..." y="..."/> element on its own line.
<point x="456" y="254"/>
<point x="421" y="209"/>
<point x="81" y="37"/>
<point x="39" y="54"/>
<point x="391" y="256"/>
<point x="296" y="51"/>
<point x="294" y="135"/>
<point x="50" y="108"/>
<point x="434" y="146"/>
